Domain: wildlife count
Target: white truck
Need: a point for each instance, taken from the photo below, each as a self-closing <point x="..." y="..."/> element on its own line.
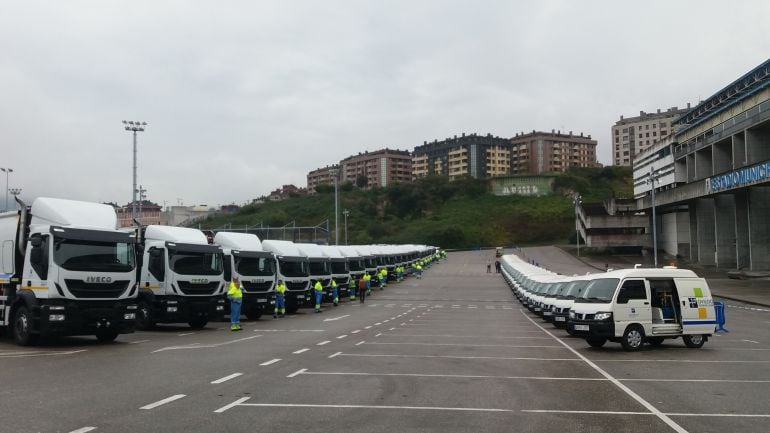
<point x="634" y="306"/>
<point x="181" y="278"/>
<point x="320" y="268"/>
<point x="340" y="268"/>
<point x="65" y="269"/>
<point x="293" y="270"/>
<point x="245" y="259"/>
<point x="356" y="263"/>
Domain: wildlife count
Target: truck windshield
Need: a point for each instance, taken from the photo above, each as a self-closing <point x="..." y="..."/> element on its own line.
<point x="371" y="262"/>
<point x="319" y="268"/>
<point x="80" y="255"/>
<point x="600" y="290"/>
<point x="294" y="269"/>
<point x="194" y="263"/>
<point x="356" y="265"/>
<point x="255" y="266"/>
<point x="339" y="268"/>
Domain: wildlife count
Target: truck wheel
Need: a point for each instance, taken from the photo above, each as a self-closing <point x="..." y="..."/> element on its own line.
<point x="655" y="341"/>
<point x="254" y="314"/>
<point x="633" y="338"/>
<point x="292" y="310"/>
<point x="694" y="341"/>
<point x="144" y="316"/>
<point x="198" y="322"/>
<point x="22" y="327"/>
<point x="596" y="341"/>
<point x="106" y="335"/>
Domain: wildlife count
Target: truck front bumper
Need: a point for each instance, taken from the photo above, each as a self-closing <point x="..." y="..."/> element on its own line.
<point x="86" y="317"/>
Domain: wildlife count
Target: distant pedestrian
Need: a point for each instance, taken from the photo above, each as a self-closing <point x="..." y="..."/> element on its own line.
<point x="280" y="300"/>
<point x="489" y="266"/>
<point x="497" y="266"/>
<point x="335" y="293"/>
<point x="235" y="295"/>
<point x="352" y="288"/>
<point x="319" y="295"/>
<point x="362" y="289"/>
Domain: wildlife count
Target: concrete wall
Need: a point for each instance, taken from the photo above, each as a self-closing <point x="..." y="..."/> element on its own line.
<point x="667" y="233"/>
<point x="743" y="252"/>
<point x="759" y="227"/>
<point x="724" y="212"/>
<point x="683" y="234"/>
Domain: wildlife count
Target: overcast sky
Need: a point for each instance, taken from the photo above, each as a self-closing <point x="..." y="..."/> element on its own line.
<point x="244" y="96"/>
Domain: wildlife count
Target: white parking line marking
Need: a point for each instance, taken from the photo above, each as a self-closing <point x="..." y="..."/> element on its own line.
<point x="378" y="324"/>
<point x="751" y="341"/>
<point x="474" y="336"/>
<point x="458" y="376"/>
<point x="703" y="361"/>
<point x="728" y="415"/>
<point x="354" y="406"/>
<point x="356" y="331"/>
<point x="367" y="327"/>
<point x="341" y="337"/>
<point x="162" y="402"/>
<point x="226" y="378"/>
<point x="334" y="355"/>
<point x="138" y="341"/>
<point x="331" y="319"/>
<point x="297" y="373"/>
<point x="83" y="430"/>
<point x="378" y="334"/>
<point x="207" y="346"/>
<point x="38" y="353"/>
<point x="589" y="412"/>
<point x="186" y="333"/>
<point x="391" y="329"/>
<point x="676" y="427"/>
<point x="297" y="352"/>
<point x="360" y="343"/>
<point x="323" y="343"/>
<point x="272" y="361"/>
<point x="471" y="345"/>
<point x="231" y="405"/>
<point x="461" y="357"/>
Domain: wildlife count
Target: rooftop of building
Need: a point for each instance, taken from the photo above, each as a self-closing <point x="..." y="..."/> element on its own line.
<point x="659" y="114"/>
<point x="554" y="134"/>
<point x="748" y="84"/>
<point x="457" y="139"/>
<point x="380" y="152"/>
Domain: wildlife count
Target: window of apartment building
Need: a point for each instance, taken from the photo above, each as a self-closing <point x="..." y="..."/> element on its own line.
<point x="617" y="132"/>
<point x="648" y="134"/>
<point x="640" y="135"/>
<point x="647" y="126"/>
<point x="663" y="132"/>
<point x="617" y="140"/>
<point x="625" y="130"/>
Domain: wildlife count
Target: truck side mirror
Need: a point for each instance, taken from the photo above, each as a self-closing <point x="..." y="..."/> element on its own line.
<point x="154" y="252"/>
<point x="36" y="241"/>
<point x="36" y="255"/>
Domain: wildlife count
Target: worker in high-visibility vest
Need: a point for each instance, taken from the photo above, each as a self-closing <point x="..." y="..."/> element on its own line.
<point x="335" y="293"/>
<point x="280" y="300"/>
<point x="368" y="280"/>
<point x="383" y="275"/>
<point x="319" y="295"/>
<point x="235" y="295"/>
<point x="418" y="270"/>
<point x="352" y="287"/>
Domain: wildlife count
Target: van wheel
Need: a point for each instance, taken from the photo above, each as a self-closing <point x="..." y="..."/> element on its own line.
<point x="107" y="336"/>
<point x="633" y="338"/>
<point x="596" y="341"/>
<point x="22" y="327"/>
<point x="694" y="341"/>
<point x="655" y="341"/>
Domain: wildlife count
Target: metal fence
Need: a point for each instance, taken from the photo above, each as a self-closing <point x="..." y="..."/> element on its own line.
<point x="318" y="234"/>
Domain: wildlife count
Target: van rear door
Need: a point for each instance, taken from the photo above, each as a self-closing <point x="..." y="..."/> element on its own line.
<point x="698" y="315"/>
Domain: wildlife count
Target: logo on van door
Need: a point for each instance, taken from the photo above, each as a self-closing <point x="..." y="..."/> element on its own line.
<point x="698" y="302"/>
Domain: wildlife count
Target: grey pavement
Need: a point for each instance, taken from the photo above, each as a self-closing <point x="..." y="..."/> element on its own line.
<point x="453" y="352"/>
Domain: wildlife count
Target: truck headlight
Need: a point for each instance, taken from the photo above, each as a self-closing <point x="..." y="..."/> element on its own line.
<point x="220" y="308"/>
<point x="131" y="307"/>
<point x="171" y="309"/>
<point x="56" y="317"/>
<point x="129" y="316"/>
<point x="571" y="314"/>
<point x="56" y="307"/>
<point x="603" y="316"/>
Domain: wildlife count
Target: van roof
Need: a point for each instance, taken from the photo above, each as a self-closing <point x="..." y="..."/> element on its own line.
<point x="649" y="273"/>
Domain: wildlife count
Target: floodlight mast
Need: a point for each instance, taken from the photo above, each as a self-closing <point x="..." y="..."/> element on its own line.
<point x="134" y="126"/>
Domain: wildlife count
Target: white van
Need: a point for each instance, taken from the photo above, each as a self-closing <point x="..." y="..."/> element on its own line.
<point x="634" y="306"/>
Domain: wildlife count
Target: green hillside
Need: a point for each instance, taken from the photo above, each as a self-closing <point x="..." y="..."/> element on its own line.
<point x="458" y="214"/>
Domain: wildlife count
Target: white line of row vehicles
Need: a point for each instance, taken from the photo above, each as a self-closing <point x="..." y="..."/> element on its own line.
<point x="629" y="306"/>
<point x="66" y="269"/>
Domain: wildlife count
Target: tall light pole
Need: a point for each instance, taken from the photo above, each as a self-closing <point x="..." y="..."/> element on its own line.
<point x="14" y="192"/>
<point x="651" y="181"/>
<point x="7" y="171"/>
<point x="142" y="196"/>
<point x="334" y="172"/>
<point x="346" y="213"/>
<point x="134" y="126"/>
<point x="577" y="200"/>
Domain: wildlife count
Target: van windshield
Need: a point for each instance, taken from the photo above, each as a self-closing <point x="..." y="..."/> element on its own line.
<point x="600" y="290"/>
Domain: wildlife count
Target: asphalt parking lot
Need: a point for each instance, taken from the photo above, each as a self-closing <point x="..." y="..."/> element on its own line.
<point x="451" y="352"/>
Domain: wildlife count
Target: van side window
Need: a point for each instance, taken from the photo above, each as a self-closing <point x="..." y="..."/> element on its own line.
<point x="156" y="264"/>
<point x="632" y="289"/>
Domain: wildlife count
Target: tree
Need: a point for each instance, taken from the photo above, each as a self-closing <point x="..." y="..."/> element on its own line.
<point x="362" y="181"/>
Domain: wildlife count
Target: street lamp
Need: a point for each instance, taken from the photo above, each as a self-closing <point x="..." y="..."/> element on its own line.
<point x="346" y="213"/>
<point x="651" y="181"/>
<point x="142" y="196"/>
<point x="577" y="200"/>
<point x="7" y="172"/>
<point x="14" y="192"/>
<point x="134" y="126"/>
<point x="333" y="173"/>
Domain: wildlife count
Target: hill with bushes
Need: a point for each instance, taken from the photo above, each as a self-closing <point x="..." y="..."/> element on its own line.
<point x="457" y="214"/>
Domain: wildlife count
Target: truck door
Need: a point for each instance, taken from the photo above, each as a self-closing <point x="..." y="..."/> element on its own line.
<point x="698" y="315"/>
<point x="632" y="305"/>
<point x="154" y="278"/>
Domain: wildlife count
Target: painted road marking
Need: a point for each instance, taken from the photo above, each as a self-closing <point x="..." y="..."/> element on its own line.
<point x="460" y="357"/>
<point x="458" y="376"/>
<point x="289" y="330"/>
<point x="297" y="373"/>
<point x="367" y="327"/>
<point x="323" y="343"/>
<point x="471" y="345"/>
<point x="231" y="405"/>
<point x="240" y="402"/>
<point x="334" y="355"/>
<point x="138" y="341"/>
<point x="332" y="319"/>
<point x="272" y="361"/>
<point x="297" y="352"/>
<point x="38" y="353"/>
<point x="474" y="336"/>
<point x="341" y="337"/>
<point x="676" y="427"/>
<point x="356" y="331"/>
<point x="360" y="342"/>
<point x="186" y="333"/>
<point x="751" y="341"/>
<point x="207" y="346"/>
<point x="162" y="402"/>
<point x="378" y="334"/>
<point x="226" y="378"/>
<point x="83" y="430"/>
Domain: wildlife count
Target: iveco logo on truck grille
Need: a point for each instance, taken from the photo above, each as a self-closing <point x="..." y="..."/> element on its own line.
<point x="98" y="279"/>
<point x="199" y="281"/>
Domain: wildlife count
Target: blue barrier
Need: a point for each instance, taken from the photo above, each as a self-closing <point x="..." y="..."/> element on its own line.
<point x="719" y="307"/>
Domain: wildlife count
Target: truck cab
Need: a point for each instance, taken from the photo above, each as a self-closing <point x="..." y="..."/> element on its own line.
<point x="356" y="263"/>
<point x="339" y="268"/>
<point x="65" y="269"/>
<point x="320" y="268"/>
<point x="635" y="306"/>
<point x="293" y="269"/>
<point x="181" y="278"/>
<point x="245" y="259"/>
